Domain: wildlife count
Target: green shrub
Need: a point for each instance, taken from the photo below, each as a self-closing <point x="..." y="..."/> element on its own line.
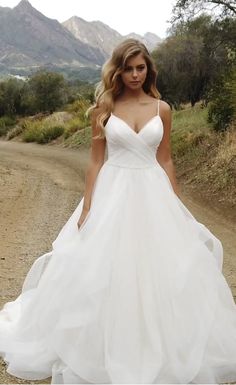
<point x="6" y="122"/>
<point x="32" y="131"/>
<point x="190" y="131"/>
<point x="222" y="108"/>
<point x="79" y="108"/>
<point x="50" y="133"/>
<point x="72" y="126"/>
<point x="41" y="132"/>
<point x="79" y="138"/>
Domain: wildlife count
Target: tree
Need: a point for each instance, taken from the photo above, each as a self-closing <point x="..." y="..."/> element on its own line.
<point x="180" y="73"/>
<point x="49" y="89"/>
<point x="192" y="59"/>
<point x="187" y="9"/>
<point x="10" y="96"/>
<point x="222" y="99"/>
<point x="80" y="89"/>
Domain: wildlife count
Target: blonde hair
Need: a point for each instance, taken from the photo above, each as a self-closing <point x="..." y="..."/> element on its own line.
<point x="111" y="85"/>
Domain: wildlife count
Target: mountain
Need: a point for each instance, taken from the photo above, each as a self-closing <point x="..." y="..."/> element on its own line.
<point x="77" y="48"/>
<point x="101" y="36"/>
<point x="29" y="38"/>
<point x="149" y="39"/>
<point x="94" y="33"/>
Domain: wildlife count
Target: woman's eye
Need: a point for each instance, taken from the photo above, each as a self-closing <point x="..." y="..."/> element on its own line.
<point x="127" y="69"/>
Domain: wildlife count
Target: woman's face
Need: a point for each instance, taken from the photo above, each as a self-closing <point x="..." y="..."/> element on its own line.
<point x="135" y="72"/>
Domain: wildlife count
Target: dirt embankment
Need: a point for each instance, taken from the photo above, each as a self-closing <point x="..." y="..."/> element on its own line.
<point x="40" y="188"/>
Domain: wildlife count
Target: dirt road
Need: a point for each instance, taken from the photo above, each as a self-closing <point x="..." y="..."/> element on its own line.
<point x="40" y="186"/>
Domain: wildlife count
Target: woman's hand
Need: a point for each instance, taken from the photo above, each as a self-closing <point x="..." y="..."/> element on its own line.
<point x="82" y="217"/>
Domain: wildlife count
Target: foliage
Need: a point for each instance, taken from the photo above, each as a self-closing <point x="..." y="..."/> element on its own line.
<point x="205" y="160"/>
<point x="222" y="108"/>
<point x="80" y="90"/>
<point x="80" y="120"/>
<point x="193" y="58"/>
<point x="79" y="107"/>
<point x="6" y="122"/>
<point x="28" y="101"/>
<point x="49" y="90"/>
<point x="79" y="138"/>
<point x="10" y="96"/>
<point x="190" y="130"/>
<point x="14" y="131"/>
<point x="180" y="72"/>
<point x="187" y="9"/>
<point x="72" y="126"/>
<point x="41" y="132"/>
<point x="43" y="92"/>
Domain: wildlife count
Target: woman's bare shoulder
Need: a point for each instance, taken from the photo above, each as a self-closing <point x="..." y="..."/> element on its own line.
<point x="96" y="111"/>
<point x="164" y="106"/>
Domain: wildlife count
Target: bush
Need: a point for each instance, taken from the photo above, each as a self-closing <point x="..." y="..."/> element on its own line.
<point x="222" y="108"/>
<point x="189" y="130"/>
<point x="79" y="138"/>
<point x="11" y="91"/>
<point x="79" y="108"/>
<point x="40" y="132"/>
<point x="48" y="90"/>
<point x="6" y="122"/>
<point x="50" y="133"/>
<point x="73" y="126"/>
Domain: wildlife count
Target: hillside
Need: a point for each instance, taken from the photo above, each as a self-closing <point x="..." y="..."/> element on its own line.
<point x="100" y="35"/>
<point x="28" y="38"/>
<point x="77" y="48"/>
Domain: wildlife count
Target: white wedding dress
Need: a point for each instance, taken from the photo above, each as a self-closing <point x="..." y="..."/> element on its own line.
<point x="136" y="295"/>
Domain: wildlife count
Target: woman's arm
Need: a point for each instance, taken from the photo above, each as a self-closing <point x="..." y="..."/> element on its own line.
<point x="163" y="154"/>
<point x="97" y="153"/>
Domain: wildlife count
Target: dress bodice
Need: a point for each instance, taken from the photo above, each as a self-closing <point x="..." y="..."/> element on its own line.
<point x="127" y="148"/>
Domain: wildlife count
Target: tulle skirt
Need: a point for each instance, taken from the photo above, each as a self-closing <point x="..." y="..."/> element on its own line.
<point x="136" y="295"/>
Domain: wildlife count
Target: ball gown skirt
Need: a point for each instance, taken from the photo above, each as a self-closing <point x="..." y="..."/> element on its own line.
<point x="136" y="295"/>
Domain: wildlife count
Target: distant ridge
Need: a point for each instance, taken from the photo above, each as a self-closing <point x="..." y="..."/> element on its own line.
<point x="30" y="40"/>
<point x="101" y="36"/>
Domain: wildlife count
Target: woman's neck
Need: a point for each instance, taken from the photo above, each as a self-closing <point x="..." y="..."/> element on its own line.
<point x="132" y="95"/>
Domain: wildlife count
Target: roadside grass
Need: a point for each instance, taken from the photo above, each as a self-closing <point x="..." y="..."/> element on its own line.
<point x="41" y="132"/>
<point x="204" y="159"/>
<point x="6" y="123"/>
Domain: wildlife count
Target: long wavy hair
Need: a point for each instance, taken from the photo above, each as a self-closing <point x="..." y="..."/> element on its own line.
<point x="111" y="84"/>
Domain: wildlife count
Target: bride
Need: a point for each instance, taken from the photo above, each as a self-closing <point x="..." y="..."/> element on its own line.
<point x="132" y="290"/>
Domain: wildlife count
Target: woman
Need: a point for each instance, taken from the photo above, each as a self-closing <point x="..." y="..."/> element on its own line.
<point x="133" y="290"/>
<point x="130" y="92"/>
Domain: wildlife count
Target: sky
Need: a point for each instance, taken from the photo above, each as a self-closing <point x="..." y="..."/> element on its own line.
<point x="124" y="16"/>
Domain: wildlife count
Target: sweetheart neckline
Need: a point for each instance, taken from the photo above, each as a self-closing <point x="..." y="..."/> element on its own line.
<point x="137" y="133"/>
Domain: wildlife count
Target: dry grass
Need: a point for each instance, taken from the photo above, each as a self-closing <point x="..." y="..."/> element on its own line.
<point x="205" y="160"/>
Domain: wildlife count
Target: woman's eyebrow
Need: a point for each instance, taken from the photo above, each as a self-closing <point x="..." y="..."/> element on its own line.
<point x="139" y="65"/>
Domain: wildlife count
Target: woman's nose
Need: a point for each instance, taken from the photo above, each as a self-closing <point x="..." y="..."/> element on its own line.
<point x="134" y="73"/>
